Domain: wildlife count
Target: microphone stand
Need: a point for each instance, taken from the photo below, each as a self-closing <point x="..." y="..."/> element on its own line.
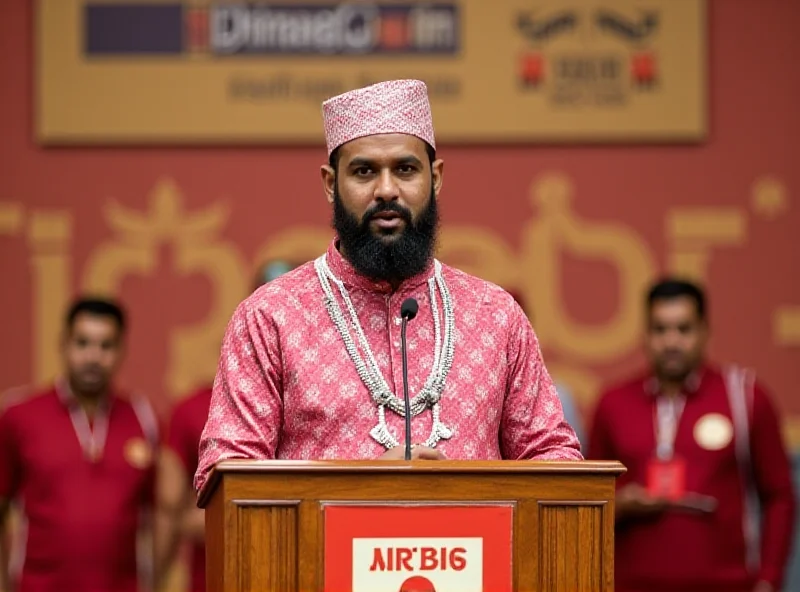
<point x="408" y="311"/>
<point x="406" y="399"/>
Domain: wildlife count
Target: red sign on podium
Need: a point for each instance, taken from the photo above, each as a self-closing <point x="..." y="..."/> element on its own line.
<point x="418" y="548"/>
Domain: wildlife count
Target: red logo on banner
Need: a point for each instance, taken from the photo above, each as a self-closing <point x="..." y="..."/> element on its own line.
<point x="532" y="69"/>
<point x="417" y="584"/>
<point x="418" y="548"/>
<point x="644" y="69"/>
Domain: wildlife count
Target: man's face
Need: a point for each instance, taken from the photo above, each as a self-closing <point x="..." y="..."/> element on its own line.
<point x="676" y="338"/>
<point x="92" y="351"/>
<point x="384" y="201"/>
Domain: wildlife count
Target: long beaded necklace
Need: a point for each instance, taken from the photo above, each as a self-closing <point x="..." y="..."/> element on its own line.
<point x="431" y="393"/>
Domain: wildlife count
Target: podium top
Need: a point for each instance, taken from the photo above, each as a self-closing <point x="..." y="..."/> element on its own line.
<point x="365" y="467"/>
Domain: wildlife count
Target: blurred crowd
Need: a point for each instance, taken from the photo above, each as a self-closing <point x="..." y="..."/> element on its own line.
<point x="96" y="491"/>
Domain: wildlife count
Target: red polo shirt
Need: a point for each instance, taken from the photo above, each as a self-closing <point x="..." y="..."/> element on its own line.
<point x="681" y="551"/>
<point x="82" y="514"/>
<point x="185" y="427"/>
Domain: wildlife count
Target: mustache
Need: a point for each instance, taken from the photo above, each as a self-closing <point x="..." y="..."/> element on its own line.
<point x="389" y="206"/>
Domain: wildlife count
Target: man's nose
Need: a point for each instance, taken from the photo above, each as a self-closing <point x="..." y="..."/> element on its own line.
<point x="93" y="353"/>
<point x="672" y="337"/>
<point x="387" y="188"/>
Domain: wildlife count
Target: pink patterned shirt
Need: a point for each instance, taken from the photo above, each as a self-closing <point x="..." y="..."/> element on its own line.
<point x="286" y="388"/>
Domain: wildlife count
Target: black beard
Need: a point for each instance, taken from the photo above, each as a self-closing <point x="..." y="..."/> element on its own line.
<point x="391" y="259"/>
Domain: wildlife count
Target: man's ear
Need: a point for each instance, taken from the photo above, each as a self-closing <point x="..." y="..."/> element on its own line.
<point x="437" y="173"/>
<point x="328" y="181"/>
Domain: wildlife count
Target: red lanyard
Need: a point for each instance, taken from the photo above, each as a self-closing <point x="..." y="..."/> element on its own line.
<point x="92" y="439"/>
<point x="668" y="411"/>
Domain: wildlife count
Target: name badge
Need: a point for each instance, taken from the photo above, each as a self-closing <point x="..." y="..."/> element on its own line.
<point x="666" y="479"/>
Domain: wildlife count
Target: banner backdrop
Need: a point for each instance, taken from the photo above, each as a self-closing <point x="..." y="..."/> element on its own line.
<point x="144" y="71"/>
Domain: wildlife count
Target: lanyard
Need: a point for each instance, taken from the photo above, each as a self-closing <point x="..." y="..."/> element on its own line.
<point x="91" y="439"/>
<point x="668" y="414"/>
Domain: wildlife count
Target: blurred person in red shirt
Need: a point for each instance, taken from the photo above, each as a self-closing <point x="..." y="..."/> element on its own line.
<point x="184" y="522"/>
<point x="707" y="503"/>
<point x="78" y="457"/>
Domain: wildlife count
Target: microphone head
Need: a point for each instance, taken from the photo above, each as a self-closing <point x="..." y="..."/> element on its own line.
<point x="409" y="308"/>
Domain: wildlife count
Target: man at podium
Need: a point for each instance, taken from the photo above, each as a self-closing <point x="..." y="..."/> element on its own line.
<point x="311" y="363"/>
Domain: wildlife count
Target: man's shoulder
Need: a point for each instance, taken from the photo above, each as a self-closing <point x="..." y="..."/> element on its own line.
<point x="623" y="389"/>
<point x="136" y="411"/>
<point x="289" y="288"/>
<point x="725" y="373"/>
<point x="484" y="291"/>
<point x="27" y="397"/>
<point x="26" y="401"/>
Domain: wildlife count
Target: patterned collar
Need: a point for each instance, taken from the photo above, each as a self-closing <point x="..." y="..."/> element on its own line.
<point x="68" y="399"/>
<point x="345" y="271"/>
<point x="691" y="385"/>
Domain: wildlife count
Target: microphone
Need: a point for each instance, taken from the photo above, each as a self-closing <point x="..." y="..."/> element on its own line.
<point x="408" y="310"/>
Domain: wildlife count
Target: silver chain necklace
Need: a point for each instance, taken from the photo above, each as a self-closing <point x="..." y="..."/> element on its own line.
<point x="369" y="372"/>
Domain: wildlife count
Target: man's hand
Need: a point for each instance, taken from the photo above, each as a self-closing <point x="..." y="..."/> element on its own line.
<point x="417" y="453"/>
<point x="763" y="586"/>
<point x="634" y="501"/>
<point x="7" y="583"/>
<point x="697" y="503"/>
<point x="193" y="522"/>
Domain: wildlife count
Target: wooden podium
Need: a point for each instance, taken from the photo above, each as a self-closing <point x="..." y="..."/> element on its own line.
<point x="266" y="523"/>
